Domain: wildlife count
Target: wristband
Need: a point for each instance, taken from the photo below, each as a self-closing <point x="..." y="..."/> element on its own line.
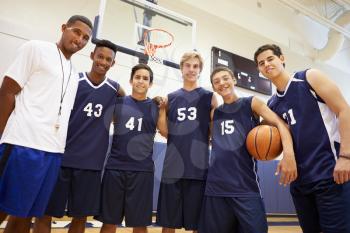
<point x="345" y="156"/>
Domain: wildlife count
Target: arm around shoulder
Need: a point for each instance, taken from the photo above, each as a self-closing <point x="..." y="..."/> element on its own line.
<point x="162" y="123"/>
<point x="121" y="92"/>
<point x="214" y="101"/>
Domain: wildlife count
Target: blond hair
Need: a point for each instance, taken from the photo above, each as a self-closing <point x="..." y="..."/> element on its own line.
<point x="189" y="55"/>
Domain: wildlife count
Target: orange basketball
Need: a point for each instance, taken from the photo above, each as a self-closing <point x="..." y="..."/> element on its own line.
<point x="264" y="142"/>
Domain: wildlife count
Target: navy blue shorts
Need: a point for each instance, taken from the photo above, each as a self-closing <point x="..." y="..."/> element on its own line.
<point x="179" y="203"/>
<point x="346" y="196"/>
<point x="27" y="179"/>
<point x="76" y="194"/>
<point x="127" y="194"/>
<point x="232" y="215"/>
<point x="321" y="206"/>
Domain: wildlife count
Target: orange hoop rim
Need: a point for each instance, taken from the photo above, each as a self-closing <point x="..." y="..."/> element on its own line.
<point x="150" y="48"/>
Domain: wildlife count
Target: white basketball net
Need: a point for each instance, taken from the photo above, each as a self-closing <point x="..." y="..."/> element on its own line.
<point x="155" y="39"/>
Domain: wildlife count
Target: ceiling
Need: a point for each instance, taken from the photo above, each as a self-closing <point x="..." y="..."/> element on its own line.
<point x="319" y="29"/>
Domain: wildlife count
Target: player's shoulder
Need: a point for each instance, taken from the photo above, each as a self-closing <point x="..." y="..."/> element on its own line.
<point x="112" y="84"/>
<point x="205" y="91"/>
<point x="182" y="91"/>
<point x="150" y="102"/>
<point x="300" y="75"/>
<point x="123" y="98"/>
<point x="272" y="100"/>
<point x="247" y="99"/>
<point x="120" y="100"/>
<point x="176" y="92"/>
<point x="219" y="108"/>
<point x="241" y="101"/>
<point x="153" y="103"/>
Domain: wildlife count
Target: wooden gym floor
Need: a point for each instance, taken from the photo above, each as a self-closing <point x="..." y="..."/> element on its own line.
<point x="276" y="225"/>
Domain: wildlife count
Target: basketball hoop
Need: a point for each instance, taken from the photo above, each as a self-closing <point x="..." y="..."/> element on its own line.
<point x="161" y="39"/>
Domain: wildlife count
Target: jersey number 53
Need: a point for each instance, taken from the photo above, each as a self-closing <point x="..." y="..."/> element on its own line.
<point x="189" y="113"/>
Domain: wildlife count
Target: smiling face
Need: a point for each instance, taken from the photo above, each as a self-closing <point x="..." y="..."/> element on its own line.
<point x="74" y="37"/>
<point x="102" y="60"/>
<point x="190" y="70"/>
<point x="269" y="64"/>
<point x="223" y="83"/>
<point x="141" y="82"/>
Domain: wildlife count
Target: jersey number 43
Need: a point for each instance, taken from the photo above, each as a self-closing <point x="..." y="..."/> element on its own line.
<point x="93" y="110"/>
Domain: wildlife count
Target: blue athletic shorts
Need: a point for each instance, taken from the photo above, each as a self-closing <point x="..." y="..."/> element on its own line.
<point x="76" y="193"/>
<point x="27" y="178"/>
<point x="322" y="206"/>
<point x="179" y="203"/>
<point x="233" y="214"/>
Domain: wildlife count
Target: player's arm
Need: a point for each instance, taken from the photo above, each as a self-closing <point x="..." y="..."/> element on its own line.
<point x="162" y="123"/>
<point x="287" y="166"/>
<point x="211" y="124"/>
<point x="114" y="119"/>
<point x="121" y="92"/>
<point x="330" y="93"/>
<point x="214" y="104"/>
<point x="8" y="91"/>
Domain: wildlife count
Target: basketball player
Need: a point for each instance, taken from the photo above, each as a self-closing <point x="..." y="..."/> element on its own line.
<point x="87" y="144"/>
<point x="127" y="186"/>
<point x="232" y="194"/>
<point x="186" y="125"/>
<point x="319" y="120"/>
<point x="36" y="98"/>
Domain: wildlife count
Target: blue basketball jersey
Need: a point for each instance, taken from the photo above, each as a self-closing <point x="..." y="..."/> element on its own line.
<point x="232" y="171"/>
<point x="187" y="151"/>
<point x="134" y="130"/>
<point x="89" y="123"/>
<point x="314" y="128"/>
